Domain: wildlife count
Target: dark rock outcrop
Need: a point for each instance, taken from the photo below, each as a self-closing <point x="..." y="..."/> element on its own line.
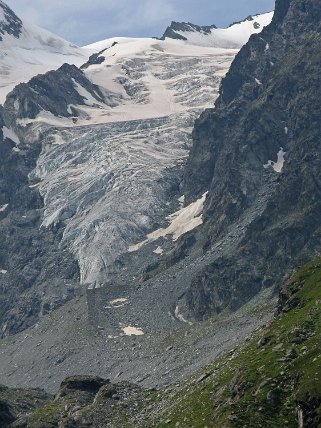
<point x="11" y="24"/>
<point x="269" y="105"/>
<point x="6" y="416"/>
<point x="52" y="92"/>
<point x="81" y="383"/>
<point x="84" y="401"/>
<point x="17" y="402"/>
<point x="172" y="31"/>
<point x="30" y="283"/>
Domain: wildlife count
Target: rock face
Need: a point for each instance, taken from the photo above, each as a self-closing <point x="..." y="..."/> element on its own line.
<point x="17" y="402"/>
<point x="173" y="31"/>
<point x="84" y="401"/>
<point x="30" y="282"/>
<point x="10" y="24"/>
<point x="57" y="91"/>
<point x="258" y="155"/>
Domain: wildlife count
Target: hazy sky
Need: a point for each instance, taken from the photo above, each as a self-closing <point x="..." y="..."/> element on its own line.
<point x="86" y="21"/>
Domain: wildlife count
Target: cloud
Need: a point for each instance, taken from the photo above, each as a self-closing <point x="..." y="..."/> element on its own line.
<point x="86" y="21"/>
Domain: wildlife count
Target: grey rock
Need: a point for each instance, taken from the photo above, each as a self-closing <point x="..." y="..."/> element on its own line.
<point x="11" y="24"/>
<point x="257" y="113"/>
<point x="171" y="31"/>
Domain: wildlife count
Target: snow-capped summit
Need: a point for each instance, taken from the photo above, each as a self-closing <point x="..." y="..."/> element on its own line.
<point x="27" y="50"/>
<point x="235" y="36"/>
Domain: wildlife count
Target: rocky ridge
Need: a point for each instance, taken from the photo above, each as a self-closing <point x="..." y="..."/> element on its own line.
<point x="29" y="282"/>
<point x="174" y="30"/>
<point x="234" y="36"/>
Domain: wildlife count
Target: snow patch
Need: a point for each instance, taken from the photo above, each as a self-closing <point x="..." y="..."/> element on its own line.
<point x="181" y="200"/>
<point x="9" y="133"/>
<point x="89" y="99"/>
<point x="132" y="331"/>
<point x="3" y="208"/>
<point x="159" y="250"/>
<point x="3" y="271"/>
<point x="117" y="303"/>
<point x="258" y="81"/>
<point x="286" y="130"/>
<point x="180" y="317"/>
<point x="181" y="222"/>
<point x="278" y="165"/>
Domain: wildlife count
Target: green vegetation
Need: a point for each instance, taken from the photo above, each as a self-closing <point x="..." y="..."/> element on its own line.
<point x="272" y="381"/>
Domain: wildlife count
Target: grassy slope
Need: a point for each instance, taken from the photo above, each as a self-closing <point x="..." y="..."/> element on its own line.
<point x="262" y="385"/>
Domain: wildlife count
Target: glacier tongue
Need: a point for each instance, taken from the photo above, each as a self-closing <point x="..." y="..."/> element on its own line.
<point x="109" y="177"/>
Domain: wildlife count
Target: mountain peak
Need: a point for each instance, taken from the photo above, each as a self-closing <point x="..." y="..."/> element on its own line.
<point x="250" y="18"/>
<point x="176" y="28"/>
<point x="233" y="37"/>
<point x="9" y="22"/>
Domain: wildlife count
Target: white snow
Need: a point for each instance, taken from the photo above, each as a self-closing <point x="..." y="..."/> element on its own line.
<point x="286" y="130"/>
<point x="3" y="208"/>
<point x="181" y="200"/>
<point x="107" y="43"/>
<point x="180" y="316"/>
<point x="181" y="222"/>
<point x="161" y="87"/>
<point x="158" y="250"/>
<point x="278" y="165"/>
<point x="9" y="133"/>
<point x="233" y="37"/>
<point x="117" y="303"/>
<point x="3" y="271"/>
<point x="132" y="331"/>
<point x="36" y="51"/>
<point x="258" y="81"/>
<point x="90" y="100"/>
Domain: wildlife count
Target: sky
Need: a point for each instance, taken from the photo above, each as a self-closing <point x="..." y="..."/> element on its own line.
<point x="87" y="21"/>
